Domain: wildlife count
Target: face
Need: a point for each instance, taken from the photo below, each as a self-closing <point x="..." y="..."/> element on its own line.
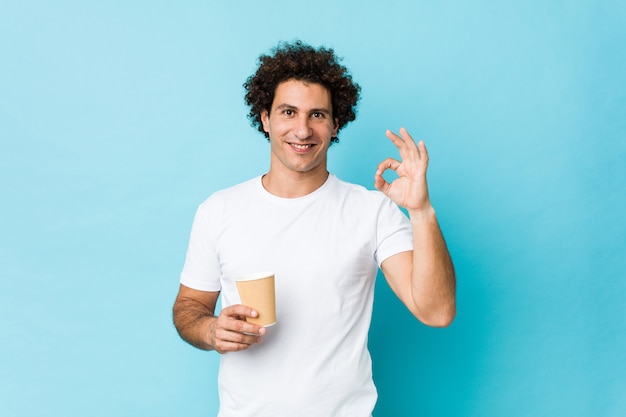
<point x="300" y="126"/>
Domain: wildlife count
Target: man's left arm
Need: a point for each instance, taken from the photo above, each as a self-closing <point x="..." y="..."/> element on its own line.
<point x="424" y="278"/>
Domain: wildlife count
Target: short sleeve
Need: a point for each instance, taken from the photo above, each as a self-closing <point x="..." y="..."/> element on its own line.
<point x="201" y="269"/>
<point x="393" y="232"/>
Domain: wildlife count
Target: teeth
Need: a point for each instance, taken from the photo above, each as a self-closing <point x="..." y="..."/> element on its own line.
<point x="295" y="145"/>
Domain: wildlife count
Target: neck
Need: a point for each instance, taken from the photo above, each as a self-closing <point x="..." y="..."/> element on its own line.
<point x="293" y="185"/>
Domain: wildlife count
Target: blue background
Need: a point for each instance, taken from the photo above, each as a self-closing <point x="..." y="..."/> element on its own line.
<point x="118" y="119"/>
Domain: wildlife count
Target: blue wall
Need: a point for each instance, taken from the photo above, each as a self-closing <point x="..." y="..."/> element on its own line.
<point x="118" y="119"/>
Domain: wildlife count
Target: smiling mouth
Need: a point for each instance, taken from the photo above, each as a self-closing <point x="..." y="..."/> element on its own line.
<point x="301" y="147"/>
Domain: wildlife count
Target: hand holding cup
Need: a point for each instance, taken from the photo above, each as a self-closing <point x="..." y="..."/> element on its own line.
<point x="230" y="332"/>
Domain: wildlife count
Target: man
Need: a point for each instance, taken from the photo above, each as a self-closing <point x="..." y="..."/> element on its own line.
<point x="323" y="238"/>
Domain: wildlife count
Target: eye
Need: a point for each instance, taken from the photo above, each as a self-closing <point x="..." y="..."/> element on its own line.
<point x="318" y="115"/>
<point x="288" y="112"/>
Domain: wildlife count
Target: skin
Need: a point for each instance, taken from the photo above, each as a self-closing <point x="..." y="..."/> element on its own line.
<point x="424" y="278"/>
<point x="301" y="125"/>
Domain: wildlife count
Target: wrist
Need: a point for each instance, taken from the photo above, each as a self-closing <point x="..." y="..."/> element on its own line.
<point x="426" y="213"/>
<point x="209" y="327"/>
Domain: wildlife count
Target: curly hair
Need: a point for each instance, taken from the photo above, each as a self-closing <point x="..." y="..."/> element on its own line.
<point x="301" y="62"/>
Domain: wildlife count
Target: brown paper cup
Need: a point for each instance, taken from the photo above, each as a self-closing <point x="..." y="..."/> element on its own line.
<point x="257" y="291"/>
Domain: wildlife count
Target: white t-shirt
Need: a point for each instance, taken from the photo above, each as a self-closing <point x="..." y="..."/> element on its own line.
<point x="325" y="249"/>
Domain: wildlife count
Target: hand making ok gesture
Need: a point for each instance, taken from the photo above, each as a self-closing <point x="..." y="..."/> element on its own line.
<point x="410" y="189"/>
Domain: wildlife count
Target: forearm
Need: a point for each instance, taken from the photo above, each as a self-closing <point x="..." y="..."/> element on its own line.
<point x="433" y="282"/>
<point x="193" y="322"/>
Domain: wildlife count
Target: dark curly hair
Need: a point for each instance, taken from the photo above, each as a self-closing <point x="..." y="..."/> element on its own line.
<point x="301" y="62"/>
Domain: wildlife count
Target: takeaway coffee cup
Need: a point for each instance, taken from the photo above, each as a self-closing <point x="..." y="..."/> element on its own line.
<point x="257" y="291"/>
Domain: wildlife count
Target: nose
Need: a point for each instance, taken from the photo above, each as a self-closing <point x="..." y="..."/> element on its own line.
<point x="302" y="129"/>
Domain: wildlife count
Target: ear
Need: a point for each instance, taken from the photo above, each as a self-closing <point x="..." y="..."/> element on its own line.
<point x="336" y="127"/>
<point x="265" y="119"/>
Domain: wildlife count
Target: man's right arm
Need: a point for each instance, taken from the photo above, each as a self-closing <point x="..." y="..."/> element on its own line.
<point x="196" y="323"/>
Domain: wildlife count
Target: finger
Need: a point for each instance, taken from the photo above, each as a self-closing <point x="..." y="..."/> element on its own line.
<point x="242" y="326"/>
<point x="406" y="137"/>
<point x="227" y="346"/>
<point x="230" y="347"/>
<point x="238" y="310"/>
<point x="405" y="144"/>
<point x="229" y="336"/>
<point x="233" y="319"/>
<point x="395" y="139"/>
<point x="410" y="142"/>
<point x="388" y="163"/>
<point x="379" y="181"/>
<point x="380" y="184"/>
<point x="228" y="340"/>
<point x="421" y="146"/>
